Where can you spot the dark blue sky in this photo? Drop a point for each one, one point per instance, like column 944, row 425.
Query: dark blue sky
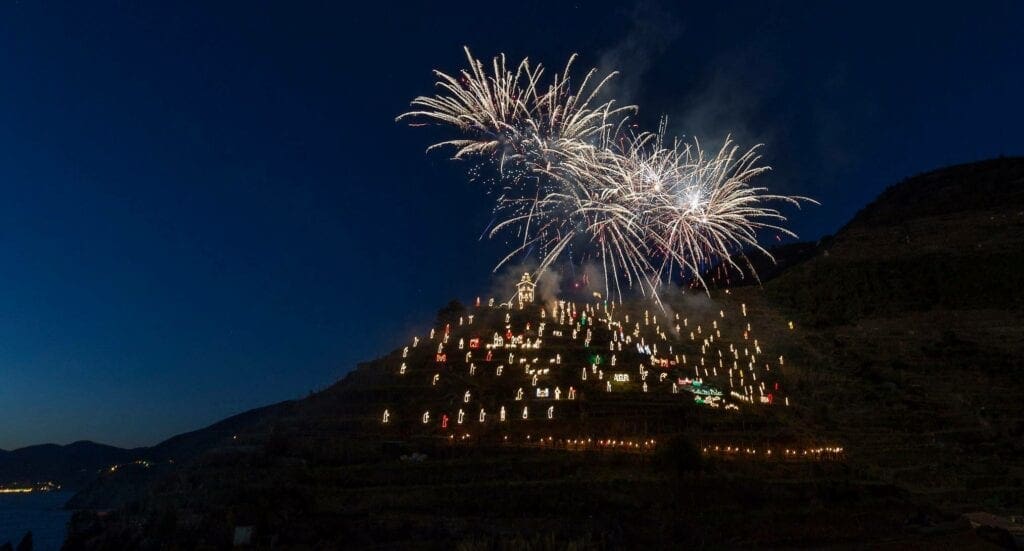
column 209, row 208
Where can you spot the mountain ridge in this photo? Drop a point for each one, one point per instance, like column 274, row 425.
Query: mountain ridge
column 76, row 464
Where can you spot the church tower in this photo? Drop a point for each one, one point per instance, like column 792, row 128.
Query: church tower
column 525, row 290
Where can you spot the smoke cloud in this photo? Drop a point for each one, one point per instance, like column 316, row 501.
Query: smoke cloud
column 651, row 32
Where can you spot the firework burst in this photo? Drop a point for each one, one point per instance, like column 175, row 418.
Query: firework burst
column 570, row 174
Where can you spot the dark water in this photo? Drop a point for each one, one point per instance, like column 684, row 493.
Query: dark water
column 39, row 512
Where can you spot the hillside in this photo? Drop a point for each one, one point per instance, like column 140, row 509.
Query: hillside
column 115, row 485
column 97, row 467
column 949, row 239
column 70, row 465
column 912, row 334
column 897, row 342
column 542, row 420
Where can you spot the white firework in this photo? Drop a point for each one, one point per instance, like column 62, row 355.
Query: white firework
column 571, row 174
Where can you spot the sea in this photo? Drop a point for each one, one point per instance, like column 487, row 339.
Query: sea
column 39, row 512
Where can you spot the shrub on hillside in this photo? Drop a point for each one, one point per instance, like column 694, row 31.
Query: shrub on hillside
column 680, row 454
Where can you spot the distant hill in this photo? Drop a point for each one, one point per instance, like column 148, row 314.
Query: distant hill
column 70, row 465
column 79, row 464
column 108, row 489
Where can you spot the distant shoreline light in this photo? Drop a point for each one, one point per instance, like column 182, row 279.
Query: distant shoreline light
column 42, row 487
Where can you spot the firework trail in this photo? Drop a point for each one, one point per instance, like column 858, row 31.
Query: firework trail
column 571, row 174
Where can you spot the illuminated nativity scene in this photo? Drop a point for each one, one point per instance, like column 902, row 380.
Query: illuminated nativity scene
column 587, row 375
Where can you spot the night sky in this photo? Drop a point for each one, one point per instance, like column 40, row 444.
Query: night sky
column 210, row 208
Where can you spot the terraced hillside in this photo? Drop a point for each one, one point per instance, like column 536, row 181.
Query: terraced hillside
column 576, row 372
column 613, row 465
column 894, row 346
